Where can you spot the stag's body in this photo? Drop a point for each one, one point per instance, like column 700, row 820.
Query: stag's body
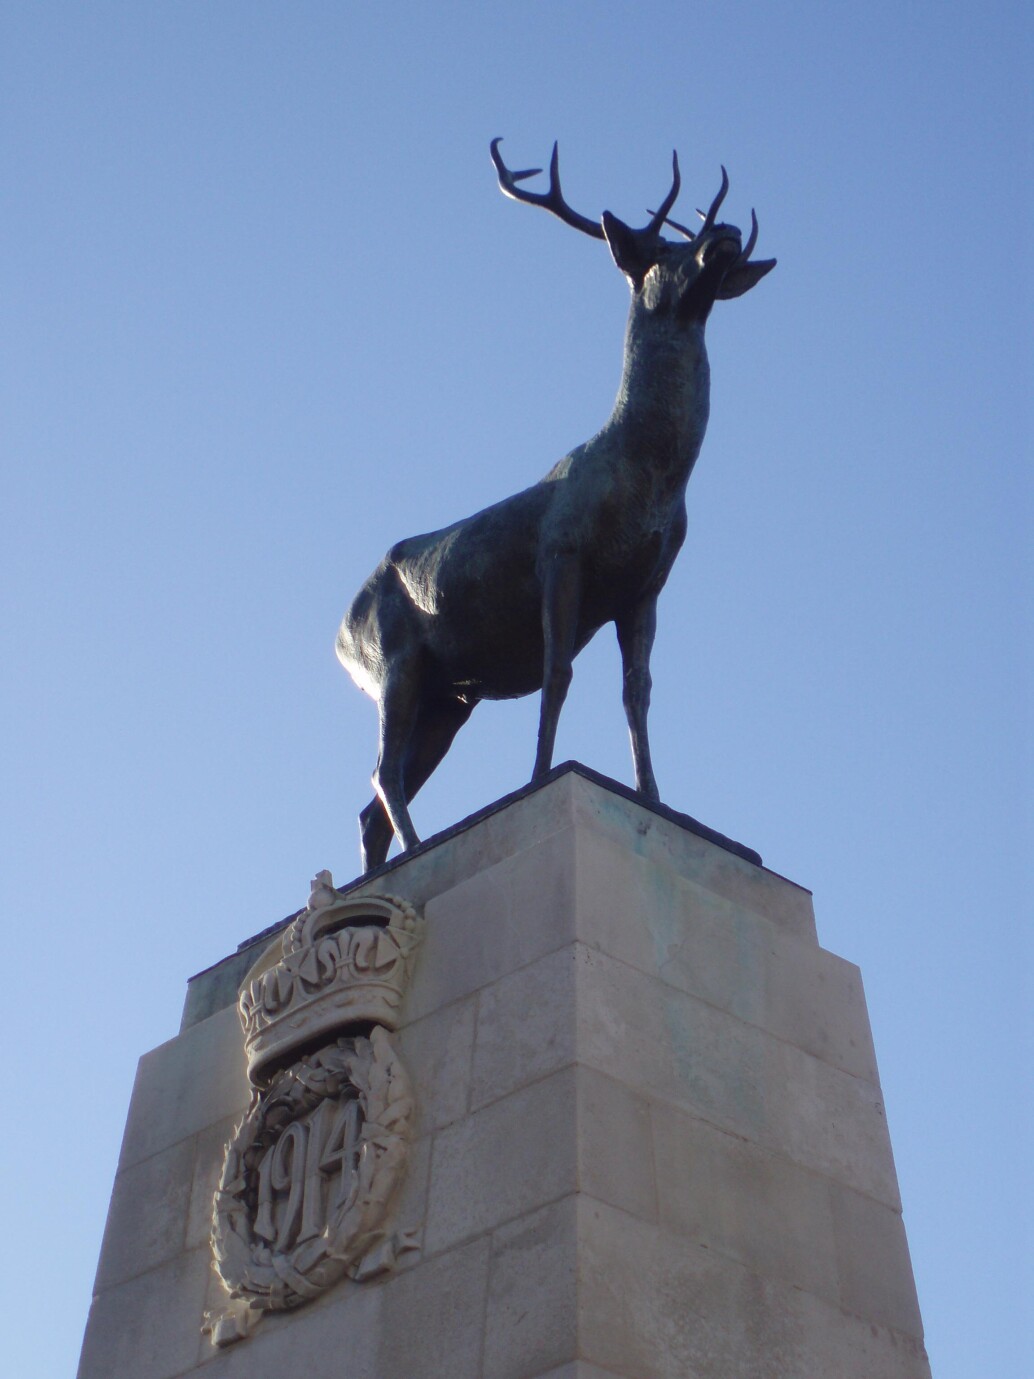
column 497, row 606
column 614, row 506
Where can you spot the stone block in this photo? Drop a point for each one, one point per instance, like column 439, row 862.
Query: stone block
column 531, row 1315
column 431, row 1319
column 437, row 1052
column 666, row 1045
column 625, row 823
column 186, row 1084
column 494, row 922
column 525, row 1026
column 147, row 1327
column 480, row 843
column 677, row 1049
column 838, row 1344
column 669, row 926
column 873, row 1263
column 644, row 913
column 615, row 1144
column 147, row 1216
column 814, row 999
column 503, row 1161
column 833, row 1122
column 739, row 1199
column 653, row 1306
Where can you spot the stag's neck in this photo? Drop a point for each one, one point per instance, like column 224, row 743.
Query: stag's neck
column 662, row 405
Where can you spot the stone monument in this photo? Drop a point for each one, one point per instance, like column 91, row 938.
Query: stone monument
column 568, row 1091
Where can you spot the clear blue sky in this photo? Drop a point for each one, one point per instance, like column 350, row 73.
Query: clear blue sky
column 265, row 312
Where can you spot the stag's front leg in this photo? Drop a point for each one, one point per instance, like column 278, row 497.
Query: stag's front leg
column 636, row 632
column 561, row 595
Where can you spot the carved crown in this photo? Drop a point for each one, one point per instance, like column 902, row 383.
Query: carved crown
column 343, row 961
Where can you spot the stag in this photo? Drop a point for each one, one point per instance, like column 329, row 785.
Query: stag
column 499, row 604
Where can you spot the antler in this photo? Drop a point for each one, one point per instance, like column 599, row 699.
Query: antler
column 708, row 218
column 653, row 230
column 553, row 200
column 749, row 246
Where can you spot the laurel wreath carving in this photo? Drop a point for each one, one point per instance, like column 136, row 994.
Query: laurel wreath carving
column 355, row 1240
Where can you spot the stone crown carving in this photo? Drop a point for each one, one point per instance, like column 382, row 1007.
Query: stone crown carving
column 344, row 962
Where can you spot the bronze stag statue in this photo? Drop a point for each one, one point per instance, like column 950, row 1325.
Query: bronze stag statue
column 499, row 604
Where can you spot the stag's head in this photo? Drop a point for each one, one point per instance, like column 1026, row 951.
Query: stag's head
column 679, row 280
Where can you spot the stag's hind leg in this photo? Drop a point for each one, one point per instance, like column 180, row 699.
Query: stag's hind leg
column 398, row 708
column 636, row 632
column 375, row 834
column 437, row 723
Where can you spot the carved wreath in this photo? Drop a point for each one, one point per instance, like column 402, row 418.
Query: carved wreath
column 354, row 1239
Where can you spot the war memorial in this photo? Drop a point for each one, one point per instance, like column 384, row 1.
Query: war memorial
column 570, row 1090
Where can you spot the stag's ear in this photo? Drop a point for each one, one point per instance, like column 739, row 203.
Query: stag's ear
column 742, row 279
column 627, row 248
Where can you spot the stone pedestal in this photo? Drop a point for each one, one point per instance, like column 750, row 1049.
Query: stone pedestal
column 650, row 1141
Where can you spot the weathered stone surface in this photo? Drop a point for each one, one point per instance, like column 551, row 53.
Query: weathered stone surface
column 677, row 1049
column 738, row 1199
column 147, row 1327
column 653, row 1306
column 873, row 1264
column 531, row 1320
column 528, row 820
column 186, row 1084
column 148, row 1215
column 736, row 958
column 609, row 816
column 615, row 1144
column 838, row 1343
column 503, row 1161
column 495, row 922
column 526, row 1026
column 437, row 1050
